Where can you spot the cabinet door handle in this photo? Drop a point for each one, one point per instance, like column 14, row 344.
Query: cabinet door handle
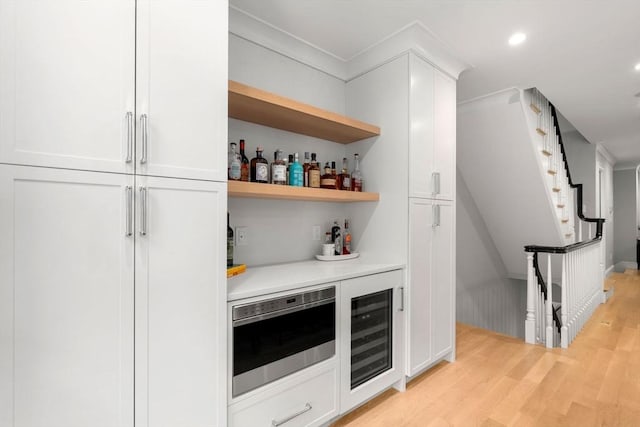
column 144, row 124
column 276, row 423
column 436, row 216
column 435, row 179
column 143, row 211
column 129, row 137
column 129, row 195
column 402, row 298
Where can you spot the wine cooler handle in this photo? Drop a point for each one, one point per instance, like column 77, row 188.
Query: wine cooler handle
column 436, row 216
column 435, row 179
column 402, row 298
column 129, row 197
column 276, row 423
column 129, row 158
column 144, row 123
column 143, row 211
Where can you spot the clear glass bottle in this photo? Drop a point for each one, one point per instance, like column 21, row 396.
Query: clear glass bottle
column 346, row 239
column 234, row 163
column 357, row 182
column 314, row 172
column 336, row 237
column 328, row 180
column 296, row 172
column 229, row 243
column 305, row 168
column 244, row 165
column 345, row 176
column 259, row 168
column 278, row 170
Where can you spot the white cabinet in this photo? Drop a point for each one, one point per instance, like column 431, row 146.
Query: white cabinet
column 69, row 77
column 432, row 134
column 431, row 272
column 180, row 299
column 66, row 299
column 367, row 368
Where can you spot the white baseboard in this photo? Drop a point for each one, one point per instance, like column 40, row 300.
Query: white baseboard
column 623, row 265
column 608, row 271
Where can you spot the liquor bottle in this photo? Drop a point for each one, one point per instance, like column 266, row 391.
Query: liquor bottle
column 259, row 168
column 314, row 172
column 356, row 177
column 305, row 168
column 296, row 173
column 327, row 180
column 345, row 176
column 289, row 168
column 234, row 163
column 336, row 237
column 278, row 170
column 346, row 245
column 336, row 178
column 244, row 166
column 229, row 243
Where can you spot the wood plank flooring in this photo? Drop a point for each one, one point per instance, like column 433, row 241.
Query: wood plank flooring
column 500, row 381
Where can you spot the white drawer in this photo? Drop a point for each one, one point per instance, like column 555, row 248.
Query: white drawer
column 311, row 395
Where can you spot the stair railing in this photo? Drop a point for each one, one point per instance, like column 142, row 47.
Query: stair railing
column 581, row 265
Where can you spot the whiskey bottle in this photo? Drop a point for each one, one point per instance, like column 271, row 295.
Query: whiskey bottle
column 305, row 169
column 328, row 180
column 244, row 165
column 234, row 163
column 296, row 172
column 279, row 170
column 345, row 176
column 259, row 168
column 357, row 182
column 314, row 172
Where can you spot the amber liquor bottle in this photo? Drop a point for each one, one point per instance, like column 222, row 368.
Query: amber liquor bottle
column 336, row 177
column 328, row 180
column 305, row 169
column 244, row 166
column 314, row 172
column 356, row 177
column 259, row 168
column 345, row 176
column 278, row 170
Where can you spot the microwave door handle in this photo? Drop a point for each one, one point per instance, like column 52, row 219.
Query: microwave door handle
column 282, row 312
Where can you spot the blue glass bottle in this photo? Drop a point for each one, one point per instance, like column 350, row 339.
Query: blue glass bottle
column 296, row 173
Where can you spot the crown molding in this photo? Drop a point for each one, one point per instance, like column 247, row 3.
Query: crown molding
column 605, row 153
column 414, row 37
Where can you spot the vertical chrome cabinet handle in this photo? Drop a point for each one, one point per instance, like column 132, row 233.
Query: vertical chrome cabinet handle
column 435, row 179
column 276, row 423
column 129, row 195
column 436, row 216
column 129, row 137
column 144, row 124
column 143, row 211
column 402, row 298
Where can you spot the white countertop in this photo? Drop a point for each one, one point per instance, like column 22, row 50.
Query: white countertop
column 269, row 279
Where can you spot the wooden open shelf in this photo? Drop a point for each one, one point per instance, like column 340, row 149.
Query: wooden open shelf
column 286, row 192
column 257, row 106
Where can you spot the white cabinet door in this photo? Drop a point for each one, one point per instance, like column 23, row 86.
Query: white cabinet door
column 181, row 88
column 444, row 157
column 180, row 299
column 67, row 83
column 419, row 290
column 66, row 298
column 350, row 289
column 432, row 133
column 442, row 282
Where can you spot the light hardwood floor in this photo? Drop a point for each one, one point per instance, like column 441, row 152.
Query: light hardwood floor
column 500, row 381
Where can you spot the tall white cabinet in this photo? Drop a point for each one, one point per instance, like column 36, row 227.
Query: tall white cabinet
column 113, row 126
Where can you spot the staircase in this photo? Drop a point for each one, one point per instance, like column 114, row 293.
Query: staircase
column 511, row 155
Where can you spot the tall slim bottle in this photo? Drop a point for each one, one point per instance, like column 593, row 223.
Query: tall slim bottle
column 345, row 176
column 229, row 243
column 357, row 182
column 305, row 168
column 244, row 166
column 234, row 163
column 296, row 173
column 314, row 172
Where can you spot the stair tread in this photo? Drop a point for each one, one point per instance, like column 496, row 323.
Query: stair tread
column 551, row 172
column 546, row 153
column 561, row 206
column 535, row 108
column 565, row 220
column 541, row 132
column 556, row 189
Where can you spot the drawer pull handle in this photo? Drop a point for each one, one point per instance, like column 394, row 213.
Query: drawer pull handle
column 276, row 423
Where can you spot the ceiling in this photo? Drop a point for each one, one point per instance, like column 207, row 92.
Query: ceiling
column 579, row 53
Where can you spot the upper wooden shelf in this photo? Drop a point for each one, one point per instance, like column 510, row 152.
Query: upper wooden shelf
column 286, row 192
column 257, row 106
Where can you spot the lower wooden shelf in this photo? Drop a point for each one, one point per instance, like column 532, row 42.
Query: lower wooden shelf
column 285, row 192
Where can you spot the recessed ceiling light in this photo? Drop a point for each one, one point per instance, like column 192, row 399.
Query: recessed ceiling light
column 637, row 67
column 517, row 38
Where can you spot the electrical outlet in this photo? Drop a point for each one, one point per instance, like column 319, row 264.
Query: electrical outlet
column 242, row 236
column 315, row 233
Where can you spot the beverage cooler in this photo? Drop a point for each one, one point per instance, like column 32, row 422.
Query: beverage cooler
column 372, row 312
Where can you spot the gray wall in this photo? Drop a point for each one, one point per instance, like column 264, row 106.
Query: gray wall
column 624, row 214
column 582, row 163
column 485, row 296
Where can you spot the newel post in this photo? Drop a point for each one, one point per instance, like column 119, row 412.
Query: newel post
column 530, row 320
